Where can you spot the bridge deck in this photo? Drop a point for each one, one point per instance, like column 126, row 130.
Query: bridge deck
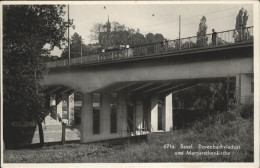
column 190, row 44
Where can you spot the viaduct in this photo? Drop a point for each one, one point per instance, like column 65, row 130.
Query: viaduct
column 130, row 91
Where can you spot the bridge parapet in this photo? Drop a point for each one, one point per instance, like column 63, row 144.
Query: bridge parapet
column 224, row 38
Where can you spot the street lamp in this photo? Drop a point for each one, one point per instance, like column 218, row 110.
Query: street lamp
column 68, row 35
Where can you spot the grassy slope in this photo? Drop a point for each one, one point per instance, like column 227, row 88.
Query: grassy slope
column 237, row 132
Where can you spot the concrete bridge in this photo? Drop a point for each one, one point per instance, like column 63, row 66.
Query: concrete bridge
column 129, row 92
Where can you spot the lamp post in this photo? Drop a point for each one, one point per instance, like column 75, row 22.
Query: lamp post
column 69, row 35
column 63, row 133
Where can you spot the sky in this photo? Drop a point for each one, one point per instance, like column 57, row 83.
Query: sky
column 156, row 18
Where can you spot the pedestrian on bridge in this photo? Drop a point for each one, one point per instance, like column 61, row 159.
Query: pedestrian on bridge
column 214, row 37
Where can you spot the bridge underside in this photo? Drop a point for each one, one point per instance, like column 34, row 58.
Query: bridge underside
column 131, row 108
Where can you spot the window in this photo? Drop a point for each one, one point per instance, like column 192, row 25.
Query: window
column 96, row 113
column 113, row 113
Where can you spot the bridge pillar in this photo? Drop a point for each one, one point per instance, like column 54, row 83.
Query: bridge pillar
column 122, row 115
column 154, row 114
column 59, row 106
column 139, row 116
column 70, row 109
column 86, row 117
column 105, row 114
column 147, row 113
column 244, row 88
column 168, row 120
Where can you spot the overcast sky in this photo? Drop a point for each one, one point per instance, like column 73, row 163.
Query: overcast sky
column 221, row 17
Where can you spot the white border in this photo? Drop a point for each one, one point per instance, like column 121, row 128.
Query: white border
column 256, row 162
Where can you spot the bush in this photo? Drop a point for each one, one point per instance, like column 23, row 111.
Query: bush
column 247, row 111
column 212, row 119
column 225, row 117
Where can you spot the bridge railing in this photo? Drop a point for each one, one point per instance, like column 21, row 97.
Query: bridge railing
column 209, row 40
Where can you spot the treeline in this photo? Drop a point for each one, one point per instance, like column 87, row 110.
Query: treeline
column 114, row 37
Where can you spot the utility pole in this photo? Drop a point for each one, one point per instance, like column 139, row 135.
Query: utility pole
column 180, row 31
column 69, row 34
column 63, row 131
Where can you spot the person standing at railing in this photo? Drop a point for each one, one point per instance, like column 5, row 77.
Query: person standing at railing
column 214, row 37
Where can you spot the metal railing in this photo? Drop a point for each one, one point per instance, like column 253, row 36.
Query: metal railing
column 209, row 40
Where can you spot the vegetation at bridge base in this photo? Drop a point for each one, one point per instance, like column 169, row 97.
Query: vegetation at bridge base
column 247, row 111
column 199, row 102
column 26, row 30
column 222, row 129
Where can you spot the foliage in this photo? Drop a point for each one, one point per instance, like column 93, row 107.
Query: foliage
column 234, row 132
column 121, row 35
column 117, row 38
column 110, row 35
column 75, row 47
column 99, row 27
column 201, row 34
column 241, row 21
column 206, row 97
column 137, row 39
column 151, row 38
column 247, row 111
column 94, row 31
column 26, row 29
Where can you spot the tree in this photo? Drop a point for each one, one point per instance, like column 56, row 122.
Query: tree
column 241, row 20
column 150, row 38
column 206, row 97
column 121, row 35
column 158, row 38
column 136, row 39
column 95, row 30
column 116, row 26
column 201, row 34
column 26, row 29
column 75, row 47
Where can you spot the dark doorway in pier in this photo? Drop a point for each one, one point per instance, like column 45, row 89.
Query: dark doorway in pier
column 147, row 113
column 113, row 113
column 96, row 113
column 160, row 114
column 77, row 108
column 130, row 117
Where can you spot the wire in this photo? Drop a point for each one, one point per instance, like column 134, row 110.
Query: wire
column 197, row 22
column 175, row 20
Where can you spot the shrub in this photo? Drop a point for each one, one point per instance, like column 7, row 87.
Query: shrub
column 247, row 111
column 225, row 117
